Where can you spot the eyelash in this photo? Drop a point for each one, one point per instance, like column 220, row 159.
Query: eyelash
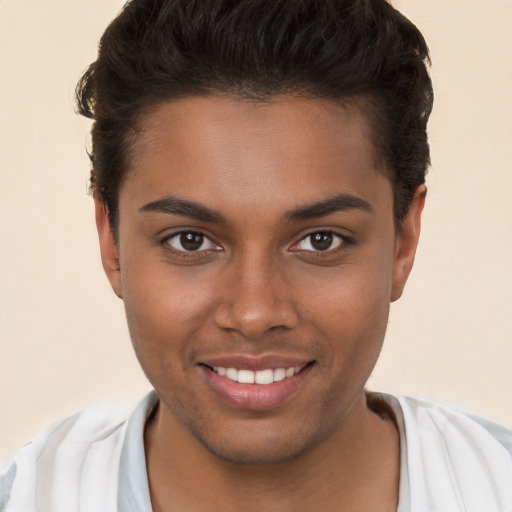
column 338, row 239
column 342, row 242
column 166, row 242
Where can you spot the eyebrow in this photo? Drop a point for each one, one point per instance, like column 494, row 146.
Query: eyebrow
column 339, row 203
column 174, row 206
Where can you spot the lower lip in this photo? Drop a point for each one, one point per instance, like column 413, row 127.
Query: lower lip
column 255, row 397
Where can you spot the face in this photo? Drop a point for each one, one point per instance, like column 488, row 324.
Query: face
column 258, row 257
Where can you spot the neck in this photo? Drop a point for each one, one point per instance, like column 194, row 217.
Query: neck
column 356, row 468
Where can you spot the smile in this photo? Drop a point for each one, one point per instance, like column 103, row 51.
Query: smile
column 263, row 377
column 269, row 384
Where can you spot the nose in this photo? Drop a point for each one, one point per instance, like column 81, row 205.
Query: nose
column 256, row 298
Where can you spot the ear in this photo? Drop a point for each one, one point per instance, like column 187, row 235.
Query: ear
column 108, row 248
column 406, row 243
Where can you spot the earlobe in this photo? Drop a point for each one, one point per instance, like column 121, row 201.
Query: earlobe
column 108, row 247
column 407, row 242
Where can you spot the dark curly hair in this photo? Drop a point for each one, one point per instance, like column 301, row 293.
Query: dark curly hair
column 343, row 50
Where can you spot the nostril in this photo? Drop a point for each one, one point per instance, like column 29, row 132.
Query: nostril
column 253, row 317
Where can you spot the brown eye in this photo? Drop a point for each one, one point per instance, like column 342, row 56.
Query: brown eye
column 320, row 241
column 190, row 241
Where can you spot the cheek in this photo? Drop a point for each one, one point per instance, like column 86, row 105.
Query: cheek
column 351, row 310
column 359, row 292
column 165, row 310
column 355, row 323
column 160, row 292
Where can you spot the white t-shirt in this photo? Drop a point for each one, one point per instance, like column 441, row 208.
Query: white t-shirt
column 94, row 461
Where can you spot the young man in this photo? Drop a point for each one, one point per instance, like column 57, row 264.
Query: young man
column 258, row 172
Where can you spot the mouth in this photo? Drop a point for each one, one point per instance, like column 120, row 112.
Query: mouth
column 261, row 377
column 256, row 389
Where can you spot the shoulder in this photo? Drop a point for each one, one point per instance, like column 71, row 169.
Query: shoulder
column 454, row 460
column 450, row 422
column 76, row 452
column 458, row 432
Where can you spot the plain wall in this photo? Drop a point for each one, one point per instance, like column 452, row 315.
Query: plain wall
column 63, row 339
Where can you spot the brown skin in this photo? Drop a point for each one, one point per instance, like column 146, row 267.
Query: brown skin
column 256, row 287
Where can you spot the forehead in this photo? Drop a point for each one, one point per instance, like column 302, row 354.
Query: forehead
column 283, row 152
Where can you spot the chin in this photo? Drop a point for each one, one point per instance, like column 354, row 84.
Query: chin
column 249, row 456
column 258, row 448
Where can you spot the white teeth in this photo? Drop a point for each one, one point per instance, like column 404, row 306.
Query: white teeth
column 245, row 377
column 279, row 374
column 263, row 377
column 232, row 373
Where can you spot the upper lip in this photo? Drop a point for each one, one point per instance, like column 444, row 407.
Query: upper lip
column 255, row 363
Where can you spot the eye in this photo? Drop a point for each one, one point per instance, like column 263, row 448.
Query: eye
column 320, row 241
column 191, row 241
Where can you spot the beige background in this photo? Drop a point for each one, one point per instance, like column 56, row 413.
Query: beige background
column 63, row 340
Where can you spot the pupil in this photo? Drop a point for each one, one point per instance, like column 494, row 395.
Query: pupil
column 191, row 241
column 321, row 241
